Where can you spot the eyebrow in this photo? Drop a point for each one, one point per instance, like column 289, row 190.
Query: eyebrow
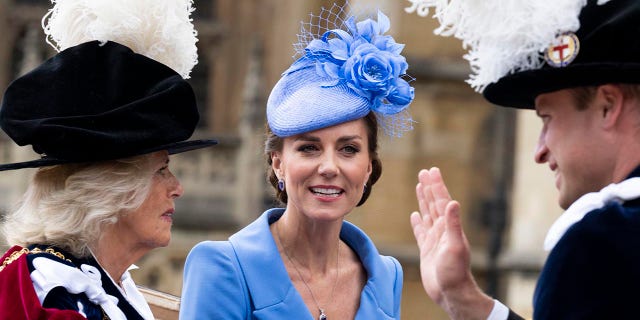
column 538, row 110
column 539, row 103
column 311, row 138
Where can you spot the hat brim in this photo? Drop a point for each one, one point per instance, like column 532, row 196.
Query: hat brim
column 519, row 90
column 172, row 148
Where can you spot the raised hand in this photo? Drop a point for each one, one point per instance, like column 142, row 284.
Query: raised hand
column 444, row 251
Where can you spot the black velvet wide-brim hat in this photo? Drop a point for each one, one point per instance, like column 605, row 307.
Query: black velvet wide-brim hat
column 609, row 52
column 96, row 102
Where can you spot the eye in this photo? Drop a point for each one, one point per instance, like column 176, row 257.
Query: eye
column 163, row 170
column 351, row 149
column 307, row 148
column 545, row 118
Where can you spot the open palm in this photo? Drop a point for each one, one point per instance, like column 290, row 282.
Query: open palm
column 444, row 251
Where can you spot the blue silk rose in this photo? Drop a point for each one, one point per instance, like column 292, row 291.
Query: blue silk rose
column 368, row 61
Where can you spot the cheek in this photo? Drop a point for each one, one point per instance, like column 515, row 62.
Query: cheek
column 569, row 143
column 151, row 205
column 298, row 171
column 359, row 172
column 155, row 204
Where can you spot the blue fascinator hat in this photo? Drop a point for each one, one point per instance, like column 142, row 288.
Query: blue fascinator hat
column 346, row 69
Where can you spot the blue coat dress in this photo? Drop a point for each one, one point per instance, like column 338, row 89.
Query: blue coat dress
column 593, row 272
column 245, row 278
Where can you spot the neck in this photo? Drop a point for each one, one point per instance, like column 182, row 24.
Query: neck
column 115, row 254
column 623, row 170
column 312, row 244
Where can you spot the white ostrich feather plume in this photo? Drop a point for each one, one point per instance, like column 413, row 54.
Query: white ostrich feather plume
column 159, row 29
column 502, row 36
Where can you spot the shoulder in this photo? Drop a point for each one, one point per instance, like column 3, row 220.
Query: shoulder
column 604, row 238
column 392, row 265
column 211, row 255
column 213, row 283
column 13, row 254
column 595, row 261
column 18, row 297
column 47, row 256
column 205, row 249
column 611, row 230
column 46, row 277
column 211, row 263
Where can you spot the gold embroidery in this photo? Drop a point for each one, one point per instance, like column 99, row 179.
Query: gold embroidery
column 14, row 256
column 50, row 251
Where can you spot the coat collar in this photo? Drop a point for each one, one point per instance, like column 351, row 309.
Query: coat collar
column 255, row 248
column 626, row 190
column 106, row 283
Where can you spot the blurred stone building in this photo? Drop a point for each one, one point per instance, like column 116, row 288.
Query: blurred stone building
column 485, row 153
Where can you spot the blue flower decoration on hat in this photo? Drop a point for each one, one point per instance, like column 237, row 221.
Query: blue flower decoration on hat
column 343, row 75
column 368, row 61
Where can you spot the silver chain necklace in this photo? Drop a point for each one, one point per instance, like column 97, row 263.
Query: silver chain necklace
column 322, row 315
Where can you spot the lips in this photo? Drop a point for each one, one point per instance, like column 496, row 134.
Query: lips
column 168, row 214
column 326, row 192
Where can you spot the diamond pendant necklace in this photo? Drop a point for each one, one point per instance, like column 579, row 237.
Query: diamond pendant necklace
column 322, row 315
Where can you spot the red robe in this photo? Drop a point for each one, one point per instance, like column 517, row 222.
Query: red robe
column 18, row 299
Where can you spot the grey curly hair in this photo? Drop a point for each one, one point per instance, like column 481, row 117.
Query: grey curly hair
column 67, row 205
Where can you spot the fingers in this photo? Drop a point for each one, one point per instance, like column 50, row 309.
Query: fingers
column 419, row 230
column 428, row 235
column 422, row 225
column 423, row 207
column 420, row 192
column 432, row 193
column 439, row 191
column 452, row 222
column 426, row 202
column 439, row 216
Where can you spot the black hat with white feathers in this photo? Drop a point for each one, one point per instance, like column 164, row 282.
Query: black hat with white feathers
column 116, row 89
column 520, row 49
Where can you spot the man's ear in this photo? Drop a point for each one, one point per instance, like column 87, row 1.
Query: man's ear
column 610, row 100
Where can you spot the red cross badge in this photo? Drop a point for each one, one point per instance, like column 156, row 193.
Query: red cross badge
column 563, row 50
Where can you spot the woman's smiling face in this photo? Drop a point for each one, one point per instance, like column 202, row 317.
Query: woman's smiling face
column 325, row 170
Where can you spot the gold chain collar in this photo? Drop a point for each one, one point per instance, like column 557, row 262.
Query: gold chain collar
column 17, row 254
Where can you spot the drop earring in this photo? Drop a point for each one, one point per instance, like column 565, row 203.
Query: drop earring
column 281, row 184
